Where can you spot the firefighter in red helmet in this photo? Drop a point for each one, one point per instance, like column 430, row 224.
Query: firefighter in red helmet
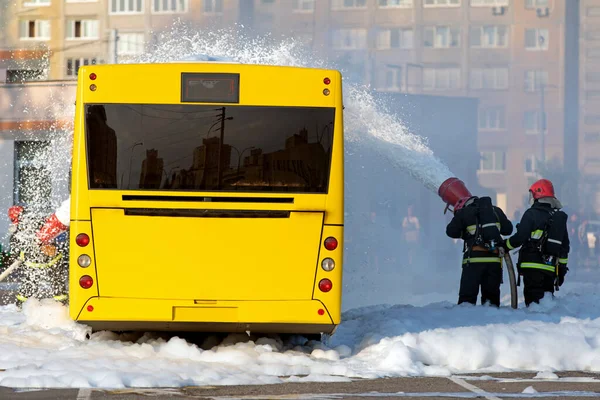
column 481, row 226
column 544, row 240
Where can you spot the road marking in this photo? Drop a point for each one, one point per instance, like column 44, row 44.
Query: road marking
column 84, row 394
column 473, row 388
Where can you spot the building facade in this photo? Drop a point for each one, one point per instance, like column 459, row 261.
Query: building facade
column 515, row 56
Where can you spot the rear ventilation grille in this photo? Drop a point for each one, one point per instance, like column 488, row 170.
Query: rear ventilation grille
column 211, row 199
column 161, row 212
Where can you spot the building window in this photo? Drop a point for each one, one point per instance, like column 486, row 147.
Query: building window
column 536, row 39
column 534, row 122
column 395, row 3
column 488, row 37
column 390, row 78
column 349, row 39
column 441, row 37
column 82, row 29
column 32, row 183
column 592, row 77
column 530, row 164
column 213, row 6
column 169, row 6
column 348, row 4
column 126, row 6
column 441, row 3
column 73, row 64
column 36, row 3
column 536, row 3
column 593, row 12
column 130, row 44
column 444, row 78
column 34, row 29
column 395, row 39
column 591, row 137
column 489, row 78
column 593, row 53
column 535, row 79
column 26, row 75
column 592, row 119
column 489, row 3
column 492, row 161
column 592, row 95
column 492, row 119
column 303, row 5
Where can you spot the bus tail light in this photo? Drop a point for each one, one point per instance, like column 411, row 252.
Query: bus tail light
column 328, row 264
column 326, row 92
column 86, row 281
column 93, row 87
column 327, row 81
column 331, row 243
column 93, row 76
column 82, row 240
column 325, row 285
column 84, row 261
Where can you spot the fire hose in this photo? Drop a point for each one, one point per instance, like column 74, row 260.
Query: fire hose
column 10, row 269
column 452, row 190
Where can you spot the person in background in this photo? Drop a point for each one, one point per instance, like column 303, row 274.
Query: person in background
column 544, row 240
column 480, row 225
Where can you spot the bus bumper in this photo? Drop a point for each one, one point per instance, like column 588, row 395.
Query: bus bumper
column 123, row 314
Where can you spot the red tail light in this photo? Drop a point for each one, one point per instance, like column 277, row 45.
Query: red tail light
column 325, row 285
column 93, row 76
column 86, row 281
column 82, row 240
column 331, row 243
column 327, row 81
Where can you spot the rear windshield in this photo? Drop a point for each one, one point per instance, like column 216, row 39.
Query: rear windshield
column 209, row 148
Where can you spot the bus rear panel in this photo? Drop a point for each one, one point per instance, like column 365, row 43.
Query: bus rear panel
column 211, row 196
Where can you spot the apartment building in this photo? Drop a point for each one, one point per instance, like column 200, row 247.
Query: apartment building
column 509, row 54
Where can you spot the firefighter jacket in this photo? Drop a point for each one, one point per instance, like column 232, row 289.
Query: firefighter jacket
column 464, row 226
column 529, row 232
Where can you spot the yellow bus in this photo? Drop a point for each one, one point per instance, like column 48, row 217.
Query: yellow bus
column 207, row 197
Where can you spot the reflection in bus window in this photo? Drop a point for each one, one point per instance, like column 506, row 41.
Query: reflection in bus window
column 209, row 148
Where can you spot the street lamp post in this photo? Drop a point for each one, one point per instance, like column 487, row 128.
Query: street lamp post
column 240, row 154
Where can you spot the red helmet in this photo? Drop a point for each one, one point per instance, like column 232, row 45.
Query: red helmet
column 542, row 188
column 14, row 213
column 461, row 203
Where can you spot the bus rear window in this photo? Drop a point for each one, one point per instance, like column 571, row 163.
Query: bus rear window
column 209, row 148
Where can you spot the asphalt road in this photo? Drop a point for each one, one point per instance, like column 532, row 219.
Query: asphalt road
column 571, row 385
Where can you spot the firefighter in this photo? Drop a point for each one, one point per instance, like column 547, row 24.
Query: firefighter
column 544, row 240
column 45, row 265
column 481, row 226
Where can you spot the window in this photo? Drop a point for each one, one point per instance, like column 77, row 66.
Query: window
column 303, row 5
column 591, row 137
column 592, row 95
column 441, row 37
column 345, row 4
column 492, row 161
column 25, row 75
column 536, row 3
column 169, row 6
column 536, row 39
column 395, row 39
column 489, row 3
column 349, row 39
column 535, row 79
column 130, row 44
column 34, row 29
column 213, row 6
column 440, row 3
column 36, row 3
column 530, row 164
column 73, row 64
column 533, row 122
column 82, row 29
column 489, row 78
column 593, row 12
column 488, row 37
column 443, row 78
column 592, row 119
column 391, row 78
column 395, row 3
column 593, row 53
column 33, row 181
column 592, row 77
column 126, row 6
column 492, row 118
column 592, row 35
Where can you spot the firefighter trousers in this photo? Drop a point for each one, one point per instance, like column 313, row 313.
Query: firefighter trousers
column 536, row 282
column 485, row 272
